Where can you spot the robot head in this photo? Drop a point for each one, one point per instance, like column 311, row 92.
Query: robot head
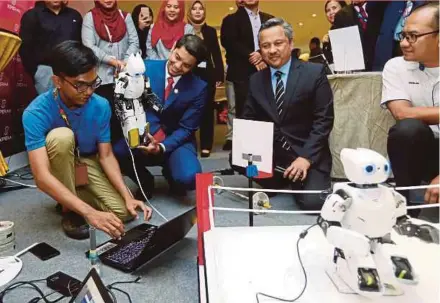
column 135, row 65
column 365, row 166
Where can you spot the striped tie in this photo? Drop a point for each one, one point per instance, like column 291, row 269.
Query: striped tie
column 279, row 101
column 279, row 92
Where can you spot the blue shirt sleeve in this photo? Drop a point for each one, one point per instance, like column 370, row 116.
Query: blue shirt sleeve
column 35, row 130
column 104, row 127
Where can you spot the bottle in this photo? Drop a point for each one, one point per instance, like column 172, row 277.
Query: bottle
column 93, row 256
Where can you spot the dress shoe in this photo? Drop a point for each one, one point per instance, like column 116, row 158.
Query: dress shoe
column 75, row 226
column 205, row 153
column 227, row 145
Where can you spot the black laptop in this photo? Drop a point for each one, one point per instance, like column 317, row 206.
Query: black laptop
column 92, row 291
column 145, row 242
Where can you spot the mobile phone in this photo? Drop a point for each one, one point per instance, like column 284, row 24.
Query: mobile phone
column 44, row 251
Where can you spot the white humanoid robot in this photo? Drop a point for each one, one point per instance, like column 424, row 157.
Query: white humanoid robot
column 357, row 218
column 133, row 96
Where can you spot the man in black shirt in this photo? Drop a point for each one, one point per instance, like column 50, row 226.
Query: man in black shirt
column 43, row 27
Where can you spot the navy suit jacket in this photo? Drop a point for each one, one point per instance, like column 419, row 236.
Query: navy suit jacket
column 385, row 40
column 307, row 117
column 183, row 109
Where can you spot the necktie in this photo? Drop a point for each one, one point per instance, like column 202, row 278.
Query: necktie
column 169, row 87
column 279, row 101
column 363, row 18
column 279, row 92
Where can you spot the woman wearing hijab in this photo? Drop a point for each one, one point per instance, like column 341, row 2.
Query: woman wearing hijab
column 112, row 36
column 330, row 8
column 142, row 16
column 211, row 71
column 168, row 28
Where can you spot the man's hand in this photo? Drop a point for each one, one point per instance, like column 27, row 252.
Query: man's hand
column 218, row 83
column 325, row 39
column 260, row 66
column 297, row 170
column 152, row 148
column 432, row 194
column 133, row 204
column 107, row 222
column 255, row 58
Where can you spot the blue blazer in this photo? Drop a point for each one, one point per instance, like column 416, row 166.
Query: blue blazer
column 385, row 40
column 183, row 109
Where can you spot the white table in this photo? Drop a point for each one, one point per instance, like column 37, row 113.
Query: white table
column 241, row 261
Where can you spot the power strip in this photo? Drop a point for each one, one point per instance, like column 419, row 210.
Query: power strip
column 7, row 236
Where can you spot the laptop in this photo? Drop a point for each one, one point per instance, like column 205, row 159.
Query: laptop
column 145, row 242
column 92, row 291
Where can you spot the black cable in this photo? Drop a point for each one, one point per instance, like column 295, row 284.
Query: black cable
column 301, row 236
column 111, row 286
column 30, row 283
column 112, row 294
column 124, row 292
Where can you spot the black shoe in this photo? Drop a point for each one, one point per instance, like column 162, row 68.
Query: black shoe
column 75, row 226
column 148, row 187
column 227, row 145
column 205, row 153
column 59, row 209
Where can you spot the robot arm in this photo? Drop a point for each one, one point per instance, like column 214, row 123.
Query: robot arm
column 119, row 100
column 149, row 98
column 335, row 206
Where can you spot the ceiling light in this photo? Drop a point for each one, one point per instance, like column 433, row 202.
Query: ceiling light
column 313, row 15
column 231, row 8
column 300, row 24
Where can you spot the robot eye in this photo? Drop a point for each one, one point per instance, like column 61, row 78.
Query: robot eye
column 370, row 169
column 386, row 168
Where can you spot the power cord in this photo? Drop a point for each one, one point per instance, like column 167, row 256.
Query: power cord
column 34, row 286
column 111, row 287
column 301, row 236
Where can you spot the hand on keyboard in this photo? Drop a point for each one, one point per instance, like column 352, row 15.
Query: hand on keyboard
column 107, row 222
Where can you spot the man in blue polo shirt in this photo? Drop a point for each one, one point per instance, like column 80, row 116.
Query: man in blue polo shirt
column 67, row 136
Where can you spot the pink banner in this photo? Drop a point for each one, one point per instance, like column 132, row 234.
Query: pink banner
column 11, row 12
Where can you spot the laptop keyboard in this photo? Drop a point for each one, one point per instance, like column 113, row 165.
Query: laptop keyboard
column 132, row 250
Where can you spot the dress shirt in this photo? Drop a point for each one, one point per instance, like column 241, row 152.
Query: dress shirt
column 256, row 25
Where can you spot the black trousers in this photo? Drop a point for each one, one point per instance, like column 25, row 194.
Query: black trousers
column 316, row 180
column 241, row 89
column 207, row 123
column 414, row 153
column 107, row 91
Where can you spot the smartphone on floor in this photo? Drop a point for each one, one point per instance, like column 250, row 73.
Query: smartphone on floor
column 44, row 251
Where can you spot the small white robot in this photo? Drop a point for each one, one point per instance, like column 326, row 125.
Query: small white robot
column 357, row 219
column 133, row 96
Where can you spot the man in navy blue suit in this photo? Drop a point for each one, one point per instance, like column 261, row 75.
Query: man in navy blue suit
column 172, row 143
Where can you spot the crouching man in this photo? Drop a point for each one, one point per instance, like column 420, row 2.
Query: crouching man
column 67, row 136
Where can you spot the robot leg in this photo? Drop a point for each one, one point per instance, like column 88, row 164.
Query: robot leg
column 353, row 270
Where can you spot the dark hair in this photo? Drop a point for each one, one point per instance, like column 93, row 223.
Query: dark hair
column 430, row 5
column 296, row 52
column 137, row 12
column 72, row 59
column 194, row 45
column 316, row 41
column 341, row 3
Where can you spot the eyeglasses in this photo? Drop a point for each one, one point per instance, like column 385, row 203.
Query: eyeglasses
column 411, row 37
column 83, row 87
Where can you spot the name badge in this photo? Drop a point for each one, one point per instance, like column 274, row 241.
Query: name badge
column 202, row 64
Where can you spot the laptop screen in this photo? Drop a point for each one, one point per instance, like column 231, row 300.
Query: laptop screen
column 93, row 290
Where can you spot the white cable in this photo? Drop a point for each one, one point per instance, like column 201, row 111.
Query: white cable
column 417, row 187
column 423, row 206
column 25, row 250
column 285, row 191
column 19, row 183
column 140, row 186
column 210, row 207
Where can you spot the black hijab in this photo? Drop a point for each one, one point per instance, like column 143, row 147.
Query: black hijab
column 142, row 34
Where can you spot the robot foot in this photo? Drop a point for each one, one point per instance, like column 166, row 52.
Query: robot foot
column 403, row 270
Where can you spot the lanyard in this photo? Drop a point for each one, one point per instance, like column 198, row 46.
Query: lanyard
column 66, row 120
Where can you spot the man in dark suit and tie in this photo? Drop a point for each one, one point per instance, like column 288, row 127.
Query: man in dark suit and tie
column 239, row 37
column 172, row 144
column 297, row 98
column 367, row 15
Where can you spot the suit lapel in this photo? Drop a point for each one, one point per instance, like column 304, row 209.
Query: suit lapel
column 156, row 74
column 269, row 102
column 292, row 84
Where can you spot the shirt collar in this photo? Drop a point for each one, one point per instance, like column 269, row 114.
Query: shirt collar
column 364, row 6
column 251, row 13
column 284, row 69
column 45, row 8
column 167, row 75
